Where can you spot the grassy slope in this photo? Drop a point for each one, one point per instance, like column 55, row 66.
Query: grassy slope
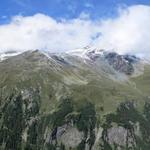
column 79, row 83
column 143, row 81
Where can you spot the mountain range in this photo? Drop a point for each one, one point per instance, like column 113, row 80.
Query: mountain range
column 83, row 99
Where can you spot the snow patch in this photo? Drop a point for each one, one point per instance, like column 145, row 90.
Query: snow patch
column 6, row 55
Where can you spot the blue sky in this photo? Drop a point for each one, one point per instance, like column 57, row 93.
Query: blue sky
column 63, row 8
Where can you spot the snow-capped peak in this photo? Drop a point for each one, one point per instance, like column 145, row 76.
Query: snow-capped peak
column 87, row 52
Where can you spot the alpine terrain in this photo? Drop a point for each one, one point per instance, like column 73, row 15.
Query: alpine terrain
column 83, row 99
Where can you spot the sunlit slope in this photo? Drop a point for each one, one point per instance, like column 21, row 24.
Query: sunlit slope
column 102, row 85
column 142, row 82
column 53, row 101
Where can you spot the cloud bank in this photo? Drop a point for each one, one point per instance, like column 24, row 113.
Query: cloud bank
column 129, row 32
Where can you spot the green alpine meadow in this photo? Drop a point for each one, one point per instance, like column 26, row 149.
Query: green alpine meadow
column 51, row 101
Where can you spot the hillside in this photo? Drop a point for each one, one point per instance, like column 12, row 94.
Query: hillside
column 68, row 101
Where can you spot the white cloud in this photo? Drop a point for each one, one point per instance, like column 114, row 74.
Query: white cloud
column 43, row 32
column 129, row 32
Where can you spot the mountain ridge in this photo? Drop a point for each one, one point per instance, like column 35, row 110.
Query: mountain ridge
column 121, row 63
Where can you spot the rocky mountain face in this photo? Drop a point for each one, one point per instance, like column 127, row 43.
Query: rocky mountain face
column 86, row 99
column 121, row 63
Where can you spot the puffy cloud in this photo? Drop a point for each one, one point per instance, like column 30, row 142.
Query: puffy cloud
column 43, row 32
column 129, row 32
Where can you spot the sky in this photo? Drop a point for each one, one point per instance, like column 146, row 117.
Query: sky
column 62, row 25
column 64, row 8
